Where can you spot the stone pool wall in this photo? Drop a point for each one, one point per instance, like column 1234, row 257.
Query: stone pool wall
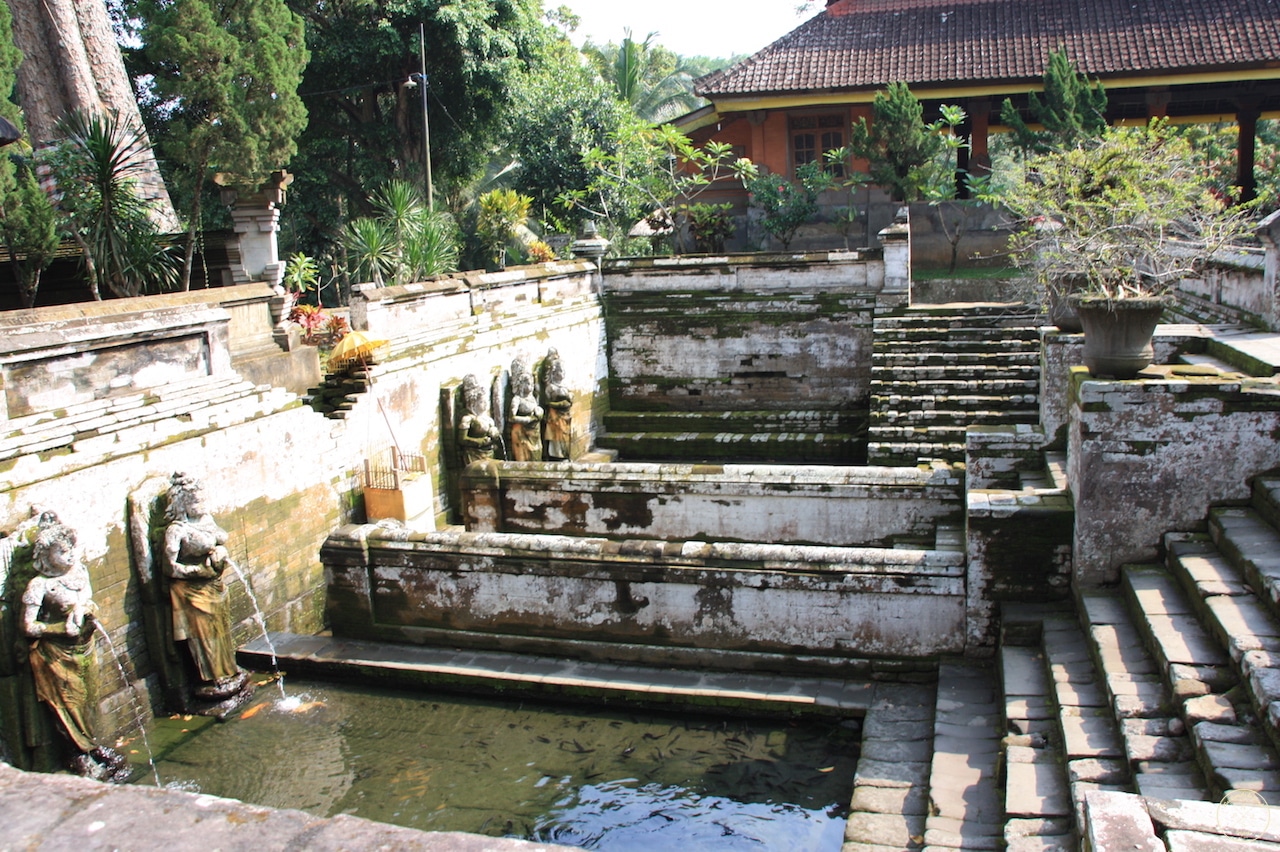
column 844, row 506
column 105, row 399
column 690, row 602
column 778, row 333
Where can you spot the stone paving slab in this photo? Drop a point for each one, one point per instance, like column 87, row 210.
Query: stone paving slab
column 46, row 811
column 1207, row 568
column 1091, row 734
column 896, row 830
column 1036, row 790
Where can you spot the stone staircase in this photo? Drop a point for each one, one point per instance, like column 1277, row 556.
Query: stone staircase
column 937, row 370
column 1167, row 685
column 136, row 421
column 783, row 437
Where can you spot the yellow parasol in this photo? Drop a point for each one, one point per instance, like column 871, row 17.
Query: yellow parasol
column 355, row 346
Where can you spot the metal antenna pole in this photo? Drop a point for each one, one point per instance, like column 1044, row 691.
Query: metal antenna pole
column 426, row 127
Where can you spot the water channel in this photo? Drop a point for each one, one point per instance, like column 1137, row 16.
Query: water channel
column 582, row 776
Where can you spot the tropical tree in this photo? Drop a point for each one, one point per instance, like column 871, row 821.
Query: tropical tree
column 227, row 74
column 561, row 110
column 904, row 154
column 404, row 242
column 1071, row 111
column 656, row 83
column 786, row 204
column 651, row 173
column 501, row 212
column 28, row 228
column 367, row 125
column 95, row 168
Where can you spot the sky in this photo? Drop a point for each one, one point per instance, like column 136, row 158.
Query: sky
column 716, row 28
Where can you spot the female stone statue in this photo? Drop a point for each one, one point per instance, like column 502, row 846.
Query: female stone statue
column 478, row 435
column 194, row 558
column 526, row 414
column 58, row 619
column 557, row 430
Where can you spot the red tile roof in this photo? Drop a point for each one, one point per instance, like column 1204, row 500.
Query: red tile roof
column 866, row 44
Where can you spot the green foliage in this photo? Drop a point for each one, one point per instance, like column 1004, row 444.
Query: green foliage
column 226, row 74
column 366, row 127
column 405, row 242
column 501, row 211
column 301, row 273
column 10, row 59
column 95, row 168
column 561, row 109
column 1215, row 146
column 647, row 173
column 1127, row 216
column 788, row 204
column 656, row 83
column 28, row 228
column 710, row 225
column 904, row 154
column 1072, row 111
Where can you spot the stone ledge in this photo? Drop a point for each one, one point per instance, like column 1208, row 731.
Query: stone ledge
column 75, row 813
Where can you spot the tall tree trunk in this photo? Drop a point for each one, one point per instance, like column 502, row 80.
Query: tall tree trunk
column 72, row 62
column 193, row 228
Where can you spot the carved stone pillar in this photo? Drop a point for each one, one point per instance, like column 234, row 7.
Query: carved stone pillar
column 256, row 218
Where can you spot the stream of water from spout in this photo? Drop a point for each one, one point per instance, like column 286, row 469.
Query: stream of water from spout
column 262, row 625
column 132, row 686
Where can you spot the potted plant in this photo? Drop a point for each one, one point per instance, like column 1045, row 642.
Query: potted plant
column 1112, row 225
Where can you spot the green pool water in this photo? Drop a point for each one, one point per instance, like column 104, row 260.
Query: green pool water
column 581, row 776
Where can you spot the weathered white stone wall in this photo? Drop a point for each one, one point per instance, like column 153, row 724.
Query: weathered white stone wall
column 844, row 506
column 788, row 333
column 1147, row 457
column 279, row 476
column 494, row 590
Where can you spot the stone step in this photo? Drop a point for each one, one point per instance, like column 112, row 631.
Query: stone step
column 930, row 373
column 971, row 317
column 891, row 786
column 895, row 416
column 1037, row 794
column 944, row 342
column 1154, row 742
column 967, row 807
column 1253, row 545
column 781, row 447
column 900, row 453
column 932, row 433
column 1241, row 624
column 931, row 356
column 78, row 413
column 960, row 330
column 1266, row 497
column 1232, row 751
column 888, row 385
column 956, row 402
column 190, row 407
column 730, row 421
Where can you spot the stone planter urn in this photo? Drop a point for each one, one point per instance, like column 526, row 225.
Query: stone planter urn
column 1118, row 333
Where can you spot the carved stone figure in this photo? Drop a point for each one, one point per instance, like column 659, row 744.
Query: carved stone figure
column 557, row 430
column 58, row 620
column 194, row 557
column 478, row 434
column 526, row 414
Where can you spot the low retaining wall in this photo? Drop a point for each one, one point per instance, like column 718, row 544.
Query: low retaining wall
column 1147, row 457
column 642, row 600
column 843, row 506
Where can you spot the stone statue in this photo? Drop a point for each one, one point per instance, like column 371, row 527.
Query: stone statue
column 557, row 430
column 58, row 620
column 478, row 434
column 194, row 557
column 526, row 414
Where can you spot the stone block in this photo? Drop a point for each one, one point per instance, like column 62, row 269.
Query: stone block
column 912, row 801
column 1036, row 790
column 1228, row 755
column 1208, row 708
column 1091, row 734
column 877, row 773
column 1098, row 770
column 895, row 830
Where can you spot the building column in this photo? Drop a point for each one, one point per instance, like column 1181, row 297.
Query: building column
column 1158, row 103
column 1247, row 112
